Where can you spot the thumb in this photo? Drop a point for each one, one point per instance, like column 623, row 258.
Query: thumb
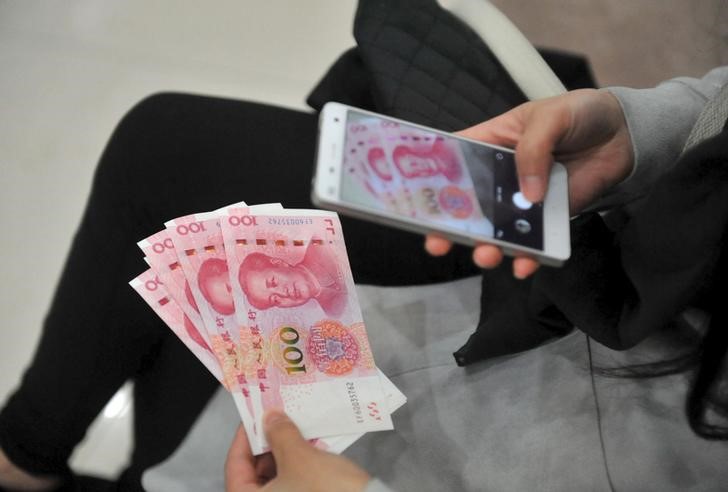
column 545, row 124
column 283, row 436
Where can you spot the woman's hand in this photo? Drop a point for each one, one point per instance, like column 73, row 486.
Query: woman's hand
column 584, row 129
column 294, row 465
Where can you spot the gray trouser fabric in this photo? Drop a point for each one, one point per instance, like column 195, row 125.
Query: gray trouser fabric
column 524, row 422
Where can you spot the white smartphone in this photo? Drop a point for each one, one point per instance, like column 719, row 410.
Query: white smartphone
column 397, row 173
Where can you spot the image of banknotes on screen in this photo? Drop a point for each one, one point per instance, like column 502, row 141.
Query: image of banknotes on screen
column 430, row 176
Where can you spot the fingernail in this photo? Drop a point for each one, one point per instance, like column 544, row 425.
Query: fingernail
column 532, row 187
column 274, row 416
column 477, row 260
column 479, row 263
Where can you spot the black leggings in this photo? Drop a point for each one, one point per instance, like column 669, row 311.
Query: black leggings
column 171, row 155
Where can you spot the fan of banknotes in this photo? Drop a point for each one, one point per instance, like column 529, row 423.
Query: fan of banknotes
column 264, row 297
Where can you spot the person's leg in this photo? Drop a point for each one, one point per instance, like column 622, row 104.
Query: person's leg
column 170, row 156
column 97, row 334
column 203, row 153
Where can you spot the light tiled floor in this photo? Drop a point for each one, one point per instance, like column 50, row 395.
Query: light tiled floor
column 71, row 69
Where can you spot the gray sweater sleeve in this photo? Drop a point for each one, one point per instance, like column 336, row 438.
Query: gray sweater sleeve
column 659, row 121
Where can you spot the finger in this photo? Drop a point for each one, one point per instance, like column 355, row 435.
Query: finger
column 265, row 468
column 544, row 126
column 436, row 245
column 284, row 437
column 240, row 473
column 524, row 267
column 487, row 256
column 502, row 130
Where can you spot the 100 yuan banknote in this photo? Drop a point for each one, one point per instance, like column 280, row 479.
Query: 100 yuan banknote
column 154, row 292
column 198, row 241
column 291, row 270
column 161, row 256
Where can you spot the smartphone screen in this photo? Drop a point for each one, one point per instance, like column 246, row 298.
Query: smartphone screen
column 431, row 177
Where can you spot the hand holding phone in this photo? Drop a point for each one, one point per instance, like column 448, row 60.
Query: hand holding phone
column 584, row 129
column 424, row 180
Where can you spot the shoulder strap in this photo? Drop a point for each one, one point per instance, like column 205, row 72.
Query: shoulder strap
column 517, row 55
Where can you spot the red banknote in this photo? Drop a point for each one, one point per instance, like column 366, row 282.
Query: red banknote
column 265, row 299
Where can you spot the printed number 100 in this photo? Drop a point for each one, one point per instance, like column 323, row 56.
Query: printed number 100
column 291, row 354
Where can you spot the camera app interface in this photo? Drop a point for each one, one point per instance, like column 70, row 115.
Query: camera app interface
column 427, row 176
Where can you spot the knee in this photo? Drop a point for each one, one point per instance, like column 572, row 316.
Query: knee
column 149, row 117
column 152, row 107
column 134, row 147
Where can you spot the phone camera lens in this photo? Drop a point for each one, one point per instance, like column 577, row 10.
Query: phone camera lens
column 523, row 226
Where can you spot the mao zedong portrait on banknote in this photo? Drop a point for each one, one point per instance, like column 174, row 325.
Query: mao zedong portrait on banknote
column 268, row 281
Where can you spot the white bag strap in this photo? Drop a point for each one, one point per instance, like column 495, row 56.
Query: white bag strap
column 517, row 55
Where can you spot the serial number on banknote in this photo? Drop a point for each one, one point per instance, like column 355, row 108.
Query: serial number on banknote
column 354, row 400
column 289, row 221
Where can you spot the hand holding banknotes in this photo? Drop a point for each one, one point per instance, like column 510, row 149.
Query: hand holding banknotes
column 265, row 299
column 295, row 464
column 585, row 130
